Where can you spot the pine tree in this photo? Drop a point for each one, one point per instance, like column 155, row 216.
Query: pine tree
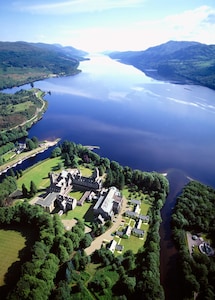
column 24, row 191
column 33, row 188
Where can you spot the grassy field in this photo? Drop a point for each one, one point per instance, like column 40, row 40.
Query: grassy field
column 76, row 194
column 21, row 106
column 11, row 243
column 132, row 243
column 80, row 212
column 39, row 173
column 7, row 156
column 85, row 171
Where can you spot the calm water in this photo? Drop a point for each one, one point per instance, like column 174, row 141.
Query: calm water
column 139, row 122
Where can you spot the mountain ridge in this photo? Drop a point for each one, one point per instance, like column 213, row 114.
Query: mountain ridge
column 187, row 62
column 22, row 62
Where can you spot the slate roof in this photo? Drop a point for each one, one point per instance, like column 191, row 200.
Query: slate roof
column 48, row 200
column 136, row 202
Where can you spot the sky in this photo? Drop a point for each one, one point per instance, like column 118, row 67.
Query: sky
column 101, row 25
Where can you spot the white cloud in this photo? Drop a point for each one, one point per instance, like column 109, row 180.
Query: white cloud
column 193, row 25
column 190, row 25
column 79, row 6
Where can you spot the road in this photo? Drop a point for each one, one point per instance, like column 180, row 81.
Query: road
column 96, row 244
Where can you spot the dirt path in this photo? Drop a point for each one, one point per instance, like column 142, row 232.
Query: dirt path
column 96, row 244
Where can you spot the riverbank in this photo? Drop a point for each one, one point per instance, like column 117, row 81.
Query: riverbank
column 19, row 158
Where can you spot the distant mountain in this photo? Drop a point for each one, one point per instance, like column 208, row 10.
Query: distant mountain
column 22, row 62
column 177, row 61
column 67, row 50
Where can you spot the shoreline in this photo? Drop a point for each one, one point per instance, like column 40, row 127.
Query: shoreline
column 42, row 148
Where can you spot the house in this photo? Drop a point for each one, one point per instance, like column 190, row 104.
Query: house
column 138, row 232
column 108, row 204
column 137, row 209
column 138, row 224
column 119, row 233
column 119, row 248
column 21, row 147
column 128, row 230
column 130, row 214
column 112, row 246
column 48, row 203
column 135, row 202
column 145, row 219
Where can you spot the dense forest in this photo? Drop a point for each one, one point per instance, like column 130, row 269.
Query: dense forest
column 187, row 62
column 22, row 62
column 195, row 213
column 57, row 267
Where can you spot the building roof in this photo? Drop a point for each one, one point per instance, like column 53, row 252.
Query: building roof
column 134, row 201
column 48, row 200
column 112, row 245
column 144, row 218
column 138, row 231
column 119, row 247
column 128, row 230
column 106, row 202
column 131, row 213
column 119, row 233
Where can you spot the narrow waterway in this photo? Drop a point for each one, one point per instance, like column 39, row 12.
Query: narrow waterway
column 168, row 253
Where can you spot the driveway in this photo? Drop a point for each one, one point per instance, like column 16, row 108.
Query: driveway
column 96, row 244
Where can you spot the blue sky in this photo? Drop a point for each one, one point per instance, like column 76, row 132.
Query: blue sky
column 97, row 25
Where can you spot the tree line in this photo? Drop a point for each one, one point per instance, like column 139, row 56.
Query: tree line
column 195, row 213
column 53, row 247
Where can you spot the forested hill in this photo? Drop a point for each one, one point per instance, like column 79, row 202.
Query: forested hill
column 22, row 62
column 178, row 61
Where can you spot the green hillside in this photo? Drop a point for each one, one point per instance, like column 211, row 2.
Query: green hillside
column 22, row 62
column 187, row 62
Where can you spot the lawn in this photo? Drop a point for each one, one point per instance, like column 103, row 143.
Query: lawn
column 80, row 212
column 20, row 107
column 7, row 156
column 86, row 172
column 144, row 208
column 133, row 195
column 39, row 173
column 132, row 243
column 76, row 194
column 11, row 243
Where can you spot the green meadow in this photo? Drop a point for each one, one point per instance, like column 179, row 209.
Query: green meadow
column 11, row 243
column 39, row 173
column 84, row 213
